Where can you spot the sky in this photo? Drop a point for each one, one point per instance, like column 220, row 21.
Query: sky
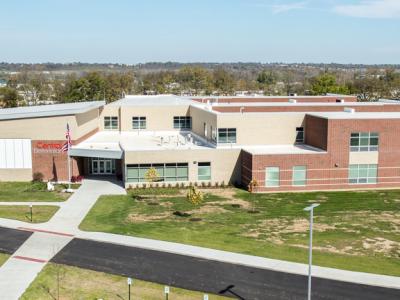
column 133, row 31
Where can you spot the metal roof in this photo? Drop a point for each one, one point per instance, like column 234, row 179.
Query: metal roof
column 156, row 100
column 53, row 110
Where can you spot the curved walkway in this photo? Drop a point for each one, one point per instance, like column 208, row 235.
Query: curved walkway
column 50, row 237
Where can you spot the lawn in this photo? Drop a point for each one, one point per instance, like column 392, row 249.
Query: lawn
column 77, row 283
column 40, row 214
column 30, row 192
column 3, row 258
column 357, row 230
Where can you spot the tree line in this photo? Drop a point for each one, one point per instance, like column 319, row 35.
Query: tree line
column 35, row 87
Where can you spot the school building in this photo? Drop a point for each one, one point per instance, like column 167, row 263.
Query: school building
column 283, row 143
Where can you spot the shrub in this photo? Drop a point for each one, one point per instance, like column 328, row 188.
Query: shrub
column 37, row 177
column 194, row 196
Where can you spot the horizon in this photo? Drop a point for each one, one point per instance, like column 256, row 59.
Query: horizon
column 133, row 32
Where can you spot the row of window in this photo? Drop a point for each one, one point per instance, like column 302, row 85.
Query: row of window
column 140, row 122
column 358, row 174
column 364, row 141
column 166, row 172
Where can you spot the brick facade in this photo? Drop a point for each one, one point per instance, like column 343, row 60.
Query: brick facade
column 329, row 170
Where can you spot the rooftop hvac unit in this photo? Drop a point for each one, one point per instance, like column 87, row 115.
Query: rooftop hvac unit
column 340, row 100
column 349, row 110
column 292, row 100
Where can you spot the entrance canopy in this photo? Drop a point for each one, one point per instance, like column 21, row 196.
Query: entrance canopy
column 101, row 144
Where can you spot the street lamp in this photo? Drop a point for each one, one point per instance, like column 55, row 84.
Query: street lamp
column 129, row 287
column 311, row 210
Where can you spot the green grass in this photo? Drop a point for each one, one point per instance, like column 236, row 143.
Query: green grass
column 30, row 192
column 357, row 231
column 40, row 214
column 3, row 258
column 77, row 283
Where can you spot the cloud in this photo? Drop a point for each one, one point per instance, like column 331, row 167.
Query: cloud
column 285, row 7
column 379, row 9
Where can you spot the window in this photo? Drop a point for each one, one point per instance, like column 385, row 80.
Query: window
column 272, row 177
column 213, row 134
column 204, row 171
column 363, row 173
column 183, row 122
column 165, row 172
column 299, row 175
column 139, row 122
column 299, row 134
column 364, row 141
column 226, row 135
column 110, row 122
column 205, row 129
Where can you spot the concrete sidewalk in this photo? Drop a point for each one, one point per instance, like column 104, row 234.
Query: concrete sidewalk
column 49, row 238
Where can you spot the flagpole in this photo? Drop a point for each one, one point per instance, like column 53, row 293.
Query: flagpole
column 69, row 170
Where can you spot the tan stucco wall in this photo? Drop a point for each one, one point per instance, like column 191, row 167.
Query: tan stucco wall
column 49, row 128
column 225, row 163
column 266, row 129
column 199, row 117
column 356, row 158
column 15, row 174
column 158, row 118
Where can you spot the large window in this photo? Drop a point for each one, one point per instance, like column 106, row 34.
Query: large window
column 364, row 141
column 165, row 172
column 183, row 122
column 299, row 175
column 272, row 176
column 363, row 173
column 110, row 122
column 204, row 171
column 299, row 134
column 226, row 135
column 139, row 122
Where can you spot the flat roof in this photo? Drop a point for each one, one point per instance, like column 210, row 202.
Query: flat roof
column 150, row 100
column 255, row 104
column 144, row 140
column 282, row 149
column 356, row 115
column 52, row 110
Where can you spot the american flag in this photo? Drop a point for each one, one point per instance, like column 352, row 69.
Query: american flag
column 68, row 143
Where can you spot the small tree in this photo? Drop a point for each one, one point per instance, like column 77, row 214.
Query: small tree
column 194, row 196
column 151, row 175
column 252, row 188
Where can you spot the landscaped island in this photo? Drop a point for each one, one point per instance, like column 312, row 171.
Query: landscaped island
column 358, row 230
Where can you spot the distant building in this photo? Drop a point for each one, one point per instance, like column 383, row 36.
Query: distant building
column 284, row 143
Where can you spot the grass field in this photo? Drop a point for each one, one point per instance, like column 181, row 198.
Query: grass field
column 77, row 283
column 30, row 192
column 40, row 214
column 3, row 258
column 357, row 231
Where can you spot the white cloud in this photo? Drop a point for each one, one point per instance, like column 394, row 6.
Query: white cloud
column 285, row 7
column 380, row 9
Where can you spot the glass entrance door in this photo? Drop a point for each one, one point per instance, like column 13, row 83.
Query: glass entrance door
column 102, row 166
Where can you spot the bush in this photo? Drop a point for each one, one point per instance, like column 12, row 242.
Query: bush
column 37, row 177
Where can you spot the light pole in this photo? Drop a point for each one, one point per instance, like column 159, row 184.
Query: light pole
column 311, row 210
column 129, row 287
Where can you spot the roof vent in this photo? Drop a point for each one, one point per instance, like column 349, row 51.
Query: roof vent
column 292, row 100
column 339, row 100
column 349, row 110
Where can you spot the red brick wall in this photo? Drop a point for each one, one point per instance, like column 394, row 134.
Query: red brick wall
column 294, row 108
column 51, row 162
column 279, row 99
column 316, row 132
column 329, row 170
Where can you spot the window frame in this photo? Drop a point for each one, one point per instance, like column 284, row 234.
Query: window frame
column 182, row 122
column 370, row 169
column 230, row 135
column 364, row 141
column 300, row 131
column 295, row 181
column 111, row 120
column 203, row 165
column 139, row 120
column 267, row 179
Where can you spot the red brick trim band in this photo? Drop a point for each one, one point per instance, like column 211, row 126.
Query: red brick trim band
column 45, row 231
column 30, row 259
